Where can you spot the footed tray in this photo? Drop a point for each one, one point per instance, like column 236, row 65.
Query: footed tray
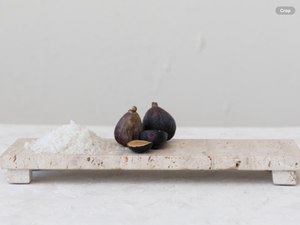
column 282, row 157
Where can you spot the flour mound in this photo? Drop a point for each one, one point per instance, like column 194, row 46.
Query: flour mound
column 69, row 139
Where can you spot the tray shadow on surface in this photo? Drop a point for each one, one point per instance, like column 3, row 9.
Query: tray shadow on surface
column 144, row 176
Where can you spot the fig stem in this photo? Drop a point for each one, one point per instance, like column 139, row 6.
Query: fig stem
column 133, row 109
column 154, row 104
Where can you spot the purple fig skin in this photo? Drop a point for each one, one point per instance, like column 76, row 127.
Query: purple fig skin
column 129, row 127
column 157, row 118
column 158, row 138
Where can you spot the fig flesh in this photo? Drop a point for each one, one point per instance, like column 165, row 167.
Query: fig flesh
column 139, row 146
column 157, row 118
column 158, row 138
column 129, row 127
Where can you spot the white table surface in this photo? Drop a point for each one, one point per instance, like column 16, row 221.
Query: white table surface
column 149, row 197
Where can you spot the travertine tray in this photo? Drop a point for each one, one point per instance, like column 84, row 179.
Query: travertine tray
column 282, row 157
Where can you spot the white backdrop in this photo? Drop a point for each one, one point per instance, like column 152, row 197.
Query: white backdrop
column 209, row 63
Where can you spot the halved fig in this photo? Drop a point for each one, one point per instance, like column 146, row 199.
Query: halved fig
column 139, row 146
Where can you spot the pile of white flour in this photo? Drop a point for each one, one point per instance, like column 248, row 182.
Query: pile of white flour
column 69, row 139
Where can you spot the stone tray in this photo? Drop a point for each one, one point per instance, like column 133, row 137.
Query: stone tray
column 282, row 157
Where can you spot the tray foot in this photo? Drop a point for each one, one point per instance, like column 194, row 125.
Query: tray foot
column 19, row 176
column 284, row 177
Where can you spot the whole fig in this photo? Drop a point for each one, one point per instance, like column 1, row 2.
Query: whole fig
column 129, row 127
column 157, row 137
column 157, row 118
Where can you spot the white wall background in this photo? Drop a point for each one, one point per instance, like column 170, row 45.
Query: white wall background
column 209, row 63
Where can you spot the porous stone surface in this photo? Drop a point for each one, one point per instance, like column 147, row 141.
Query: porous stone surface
column 178, row 154
column 19, row 176
column 284, row 177
column 150, row 197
